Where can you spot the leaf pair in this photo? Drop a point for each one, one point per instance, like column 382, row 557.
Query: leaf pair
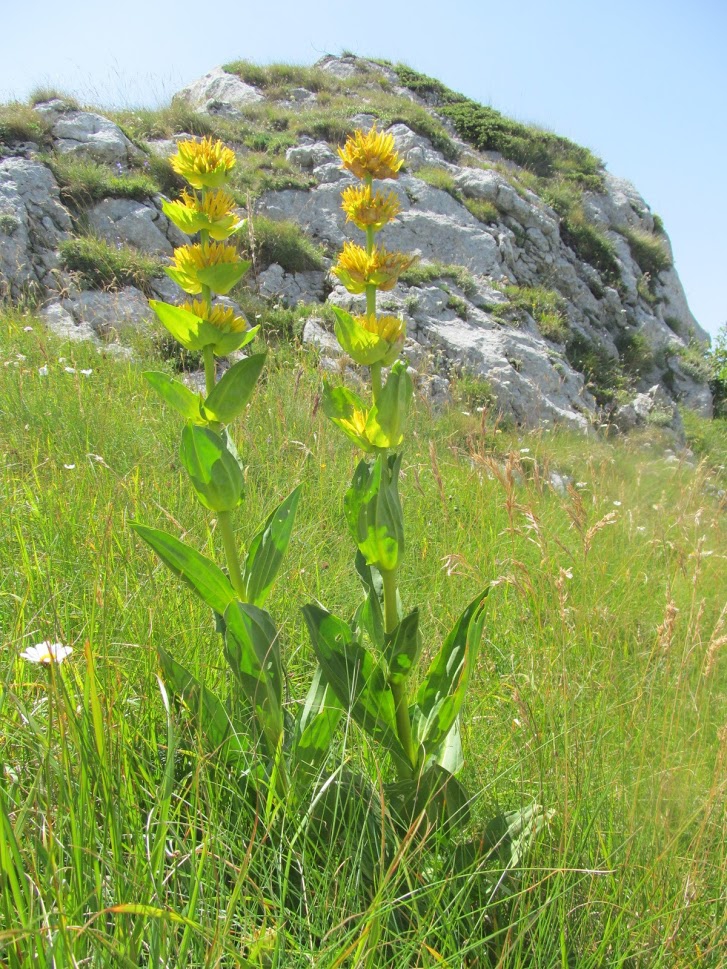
column 373, row 511
column 227, row 400
column 376, row 428
column 195, row 333
column 201, row 574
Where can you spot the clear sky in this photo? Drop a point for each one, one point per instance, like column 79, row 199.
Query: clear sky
column 642, row 83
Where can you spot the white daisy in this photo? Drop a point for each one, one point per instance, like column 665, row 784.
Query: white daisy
column 46, row 653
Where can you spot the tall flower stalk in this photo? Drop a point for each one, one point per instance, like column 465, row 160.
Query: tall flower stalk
column 207, row 269
column 368, row 662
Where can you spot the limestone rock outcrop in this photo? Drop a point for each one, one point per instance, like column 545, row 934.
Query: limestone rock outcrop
column 487, row 241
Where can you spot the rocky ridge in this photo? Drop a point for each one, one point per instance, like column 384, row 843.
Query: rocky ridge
column 502, row 290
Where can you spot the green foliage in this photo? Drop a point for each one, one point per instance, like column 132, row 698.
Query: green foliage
column 47, row 93
column 458, row 305
column 260, row 171
column 486, row 212
column 101, row 265
column 473, row 391
column 708, row 439
column 649, row 250
column 281, row 242
column 635, row 352
column 165, row 825
column 84, row 182
column 545, row 306
column 430, row 272
column 587, row 241
column 695, row 360
column 603, row 373
column 19, row 122
column 718, row 383
column 142, row 124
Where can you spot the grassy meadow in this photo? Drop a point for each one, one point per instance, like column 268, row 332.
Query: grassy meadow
column 600, row 690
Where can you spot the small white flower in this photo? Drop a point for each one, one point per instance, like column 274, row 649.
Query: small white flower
column 70, row 369
column 61, row 359
column 466, row 413
column 42, row 371
column 86, row 373
column 69, row 467
column 20, row 356
column 525, row 450
column 617, row 504
column 46, row 653
column 581, row 484
column 28, row 329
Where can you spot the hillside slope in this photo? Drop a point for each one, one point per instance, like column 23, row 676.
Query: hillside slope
column 539, row 271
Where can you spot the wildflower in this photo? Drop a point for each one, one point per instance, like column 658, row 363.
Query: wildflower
column 369, row 209
column 46, row 653
column 212, row 213
column 370, row 339
column 200, row 265
column 221, row 317
column 43, row 371
column 358, row 269
column 204, row 164
column 371, row 155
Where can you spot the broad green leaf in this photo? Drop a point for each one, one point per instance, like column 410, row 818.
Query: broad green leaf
column 386, row 420
column 223, row 276
column 199, row 572
column 443, row 689
column 175, row 393
column 511, row 835
column 359, row 343
column 213, row 470
column 191, row 331
column 370, row 614
column 234, row 389
column 373, row 511
column 434, row 791
column 226, row 343
column 268, row 548
column 358, row 682
column 253, row 652
column 316, row 727
column 203, row 704
column 347, row 411
column 403, row 648
column 449, row 753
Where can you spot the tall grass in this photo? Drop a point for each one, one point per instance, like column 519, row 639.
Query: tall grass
column 600, row 692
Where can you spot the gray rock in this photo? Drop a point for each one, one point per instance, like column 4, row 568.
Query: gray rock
column 311, row 155
column 293, row 288
column 62, row 324
column 315, row 335
column 90, row 135
column 654, row 407
column 109, row 313
column 218, row 91
column 432, row 388
column 140, row 224
column 33, row 223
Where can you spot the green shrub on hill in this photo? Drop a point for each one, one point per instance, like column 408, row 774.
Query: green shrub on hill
column 83, row 182
column 649, row 250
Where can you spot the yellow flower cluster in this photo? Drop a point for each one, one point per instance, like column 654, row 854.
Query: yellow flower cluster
column 389, row 328
column 204, row 164
column 212, row 212
column 221, row 317
column 357, row 268
column 366, row 208
column 370, row 155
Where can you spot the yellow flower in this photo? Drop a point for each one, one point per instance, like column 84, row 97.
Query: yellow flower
column 204, row 164
column 357, row 269
column 389, row 328
column 206, row 264
column 364, row 208
column 371, row 155
column 213, row 213
column 221, row 317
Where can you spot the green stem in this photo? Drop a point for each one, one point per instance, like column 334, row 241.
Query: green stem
column 376, row 380
column 233, row 560
column 209, row 369
column 398, row 690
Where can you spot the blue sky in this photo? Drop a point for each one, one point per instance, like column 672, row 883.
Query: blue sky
column 641, row 83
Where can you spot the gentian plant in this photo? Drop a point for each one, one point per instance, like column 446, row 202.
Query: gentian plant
column 371, row 662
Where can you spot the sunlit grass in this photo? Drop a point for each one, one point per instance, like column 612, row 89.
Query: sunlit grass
column 600, row 690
